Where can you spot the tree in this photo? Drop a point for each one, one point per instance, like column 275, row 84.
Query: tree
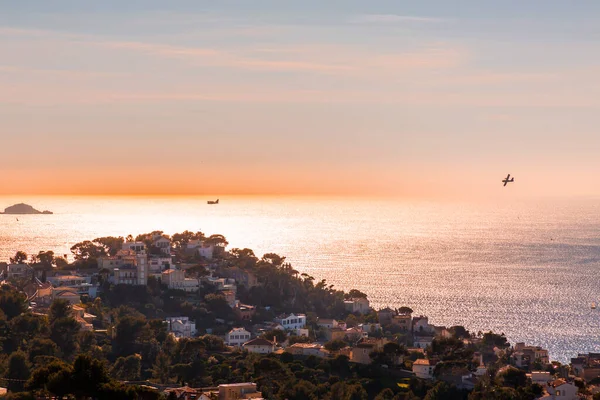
column 88, row 376
column 18, row 371
column 355, row 294
column 111, row 244
column 19, row 258
column 12, row 303
column 279, row 335
column 198, row 271
column 61, row 263
column 443, row 391
column 44, row 260
column 405, row 310
column 385, row 394
column 335, row 345
column 511, row 377
column 160, row 371
column 63, row 327
column 42, row 347
column 87, row 250
column 127, row 368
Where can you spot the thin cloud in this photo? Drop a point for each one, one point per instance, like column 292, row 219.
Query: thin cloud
column 392, row 19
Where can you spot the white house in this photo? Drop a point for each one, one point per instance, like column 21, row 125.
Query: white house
column 138, row 247
column 136, row 274
column 422, row 341
column 359, row 305
column 292, row 322
column 163, row 244
column 540, row 377
column 421, row 324
column 18, row 271
column 561, row 390
column 327, row 323
column 175, row 279
column 423, row 368
column 156, row 265
column 181, row 327
column 259, row 345
column 237, row 337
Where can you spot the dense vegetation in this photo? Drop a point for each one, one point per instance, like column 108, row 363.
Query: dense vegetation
column 49, row 354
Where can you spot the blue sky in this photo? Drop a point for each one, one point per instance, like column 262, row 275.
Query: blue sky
column 385, row 97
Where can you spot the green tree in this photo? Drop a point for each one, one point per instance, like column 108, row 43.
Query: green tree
column 335, row 345
column 87, row 250
column 12, row 303
column 160, row 371
column 19, row 258
column 127, row 368
column 88, row 376
column 443, row 391
column 63, row 327
column 405, row 310
column 17, row 372
column 110, row 244
column 42, row 347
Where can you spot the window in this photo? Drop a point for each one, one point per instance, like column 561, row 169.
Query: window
column 558, row 392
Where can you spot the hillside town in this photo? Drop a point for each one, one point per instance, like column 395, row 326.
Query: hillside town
column 182, row 317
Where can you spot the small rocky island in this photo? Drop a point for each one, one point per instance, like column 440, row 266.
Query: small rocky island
column 22, row 208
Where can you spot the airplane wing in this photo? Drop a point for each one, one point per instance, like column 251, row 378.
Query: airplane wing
column 505, row 182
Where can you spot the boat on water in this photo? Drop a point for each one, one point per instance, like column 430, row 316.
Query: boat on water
column 593, row 306
column 213, row 201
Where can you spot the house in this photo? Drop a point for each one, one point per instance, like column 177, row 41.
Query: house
column 181, row 327
column 201, row 249
column 369, row 328
column 185, row 393
column 561, row 390
column 67, row 294
column 420, row 324
column 356, row 334
column 327, row 323
column 540, row 377
column 525, row 356
column 81, row 284
column 244, row 311
column 422, row 340
column 138, row 247
column 259, row 345
column 235, row 391
column 157, row 264
column 361, row 353
column 229, row 297
column 36, row 288
column 586, row 366
column 423, row 368
column 292, row 321
column 175, row 279
column 133, row 273
column 163, row 244
column 18, row 271
column 241, row 277
column 237, row 337
column 385, row 316
column 403, row 322
column 83, row 318
column 307, row 349
column 335, row 334
column 358, row 305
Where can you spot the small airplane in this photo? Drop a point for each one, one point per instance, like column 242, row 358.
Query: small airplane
column 508, row 180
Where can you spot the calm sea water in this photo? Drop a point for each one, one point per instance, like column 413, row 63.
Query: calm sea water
column 528, row 269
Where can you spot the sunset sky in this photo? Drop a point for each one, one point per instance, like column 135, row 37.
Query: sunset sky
column 407, row 98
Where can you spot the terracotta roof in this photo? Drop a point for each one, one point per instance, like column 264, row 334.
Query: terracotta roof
column 557, row 383
column 259, row 342
column 425, row 361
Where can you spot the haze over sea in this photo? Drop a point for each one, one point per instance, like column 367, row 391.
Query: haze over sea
column 525, row 268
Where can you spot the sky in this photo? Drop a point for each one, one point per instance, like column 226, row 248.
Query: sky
column 269, row 97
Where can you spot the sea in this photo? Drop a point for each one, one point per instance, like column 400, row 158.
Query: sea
column 526, row 268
